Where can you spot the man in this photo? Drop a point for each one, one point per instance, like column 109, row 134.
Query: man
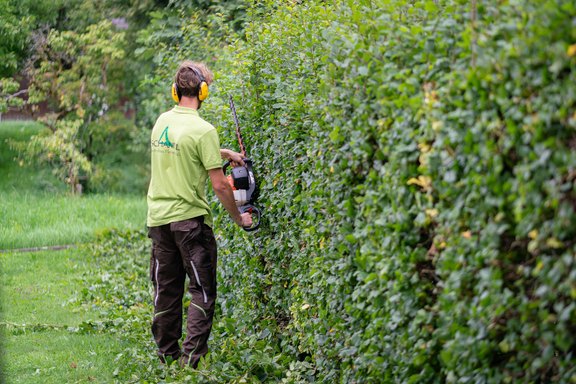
column 185, row 152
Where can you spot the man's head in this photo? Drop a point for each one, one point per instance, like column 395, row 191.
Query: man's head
column 189, row 80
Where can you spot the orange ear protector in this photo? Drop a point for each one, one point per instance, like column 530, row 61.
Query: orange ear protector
column 202, row 88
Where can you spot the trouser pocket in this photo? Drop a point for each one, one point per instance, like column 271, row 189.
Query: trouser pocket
column 198, row 253
column 199, row 280
column 202, row 261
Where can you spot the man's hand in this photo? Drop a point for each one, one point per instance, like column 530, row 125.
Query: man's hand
column 236, row 159
column 246, row 219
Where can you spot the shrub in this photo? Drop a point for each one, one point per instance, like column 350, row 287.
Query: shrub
column 417, row 164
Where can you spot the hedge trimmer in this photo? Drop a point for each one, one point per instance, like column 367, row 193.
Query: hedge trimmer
column 242, row 180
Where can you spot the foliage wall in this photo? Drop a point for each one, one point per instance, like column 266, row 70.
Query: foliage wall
column 417, row 169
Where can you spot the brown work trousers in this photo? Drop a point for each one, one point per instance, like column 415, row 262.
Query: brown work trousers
column 178, row 249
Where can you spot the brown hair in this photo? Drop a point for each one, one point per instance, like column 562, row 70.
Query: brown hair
column 189, row 76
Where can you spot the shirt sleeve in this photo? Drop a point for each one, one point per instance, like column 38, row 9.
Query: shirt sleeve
column 209, row 150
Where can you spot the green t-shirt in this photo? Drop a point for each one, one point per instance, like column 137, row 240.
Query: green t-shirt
column 184, row 147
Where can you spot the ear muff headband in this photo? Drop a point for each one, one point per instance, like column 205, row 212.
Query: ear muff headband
column 202, row 87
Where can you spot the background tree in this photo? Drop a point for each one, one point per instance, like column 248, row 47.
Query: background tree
column 79, row 60
column 82, row 76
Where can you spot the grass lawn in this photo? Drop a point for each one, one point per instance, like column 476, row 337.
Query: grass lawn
column 58, row 357
column 40, row 219
column 39, row 322
column 42, row 338
column 39, row 286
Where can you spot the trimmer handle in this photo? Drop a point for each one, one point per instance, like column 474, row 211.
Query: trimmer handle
column 227, row 164
column 255, row 215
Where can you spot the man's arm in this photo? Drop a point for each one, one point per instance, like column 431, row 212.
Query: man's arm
column 226, row 196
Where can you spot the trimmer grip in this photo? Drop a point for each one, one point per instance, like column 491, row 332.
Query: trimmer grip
column 255, row 212
column 247, row 161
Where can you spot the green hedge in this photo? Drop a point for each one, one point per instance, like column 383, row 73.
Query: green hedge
column 417, row 169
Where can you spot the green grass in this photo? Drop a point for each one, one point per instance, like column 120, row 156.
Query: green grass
column 59, row 357
column 38, row 283
column 43, row 333
column 33, row 220
column 40, row 317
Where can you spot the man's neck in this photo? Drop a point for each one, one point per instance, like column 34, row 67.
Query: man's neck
column 189, row 102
